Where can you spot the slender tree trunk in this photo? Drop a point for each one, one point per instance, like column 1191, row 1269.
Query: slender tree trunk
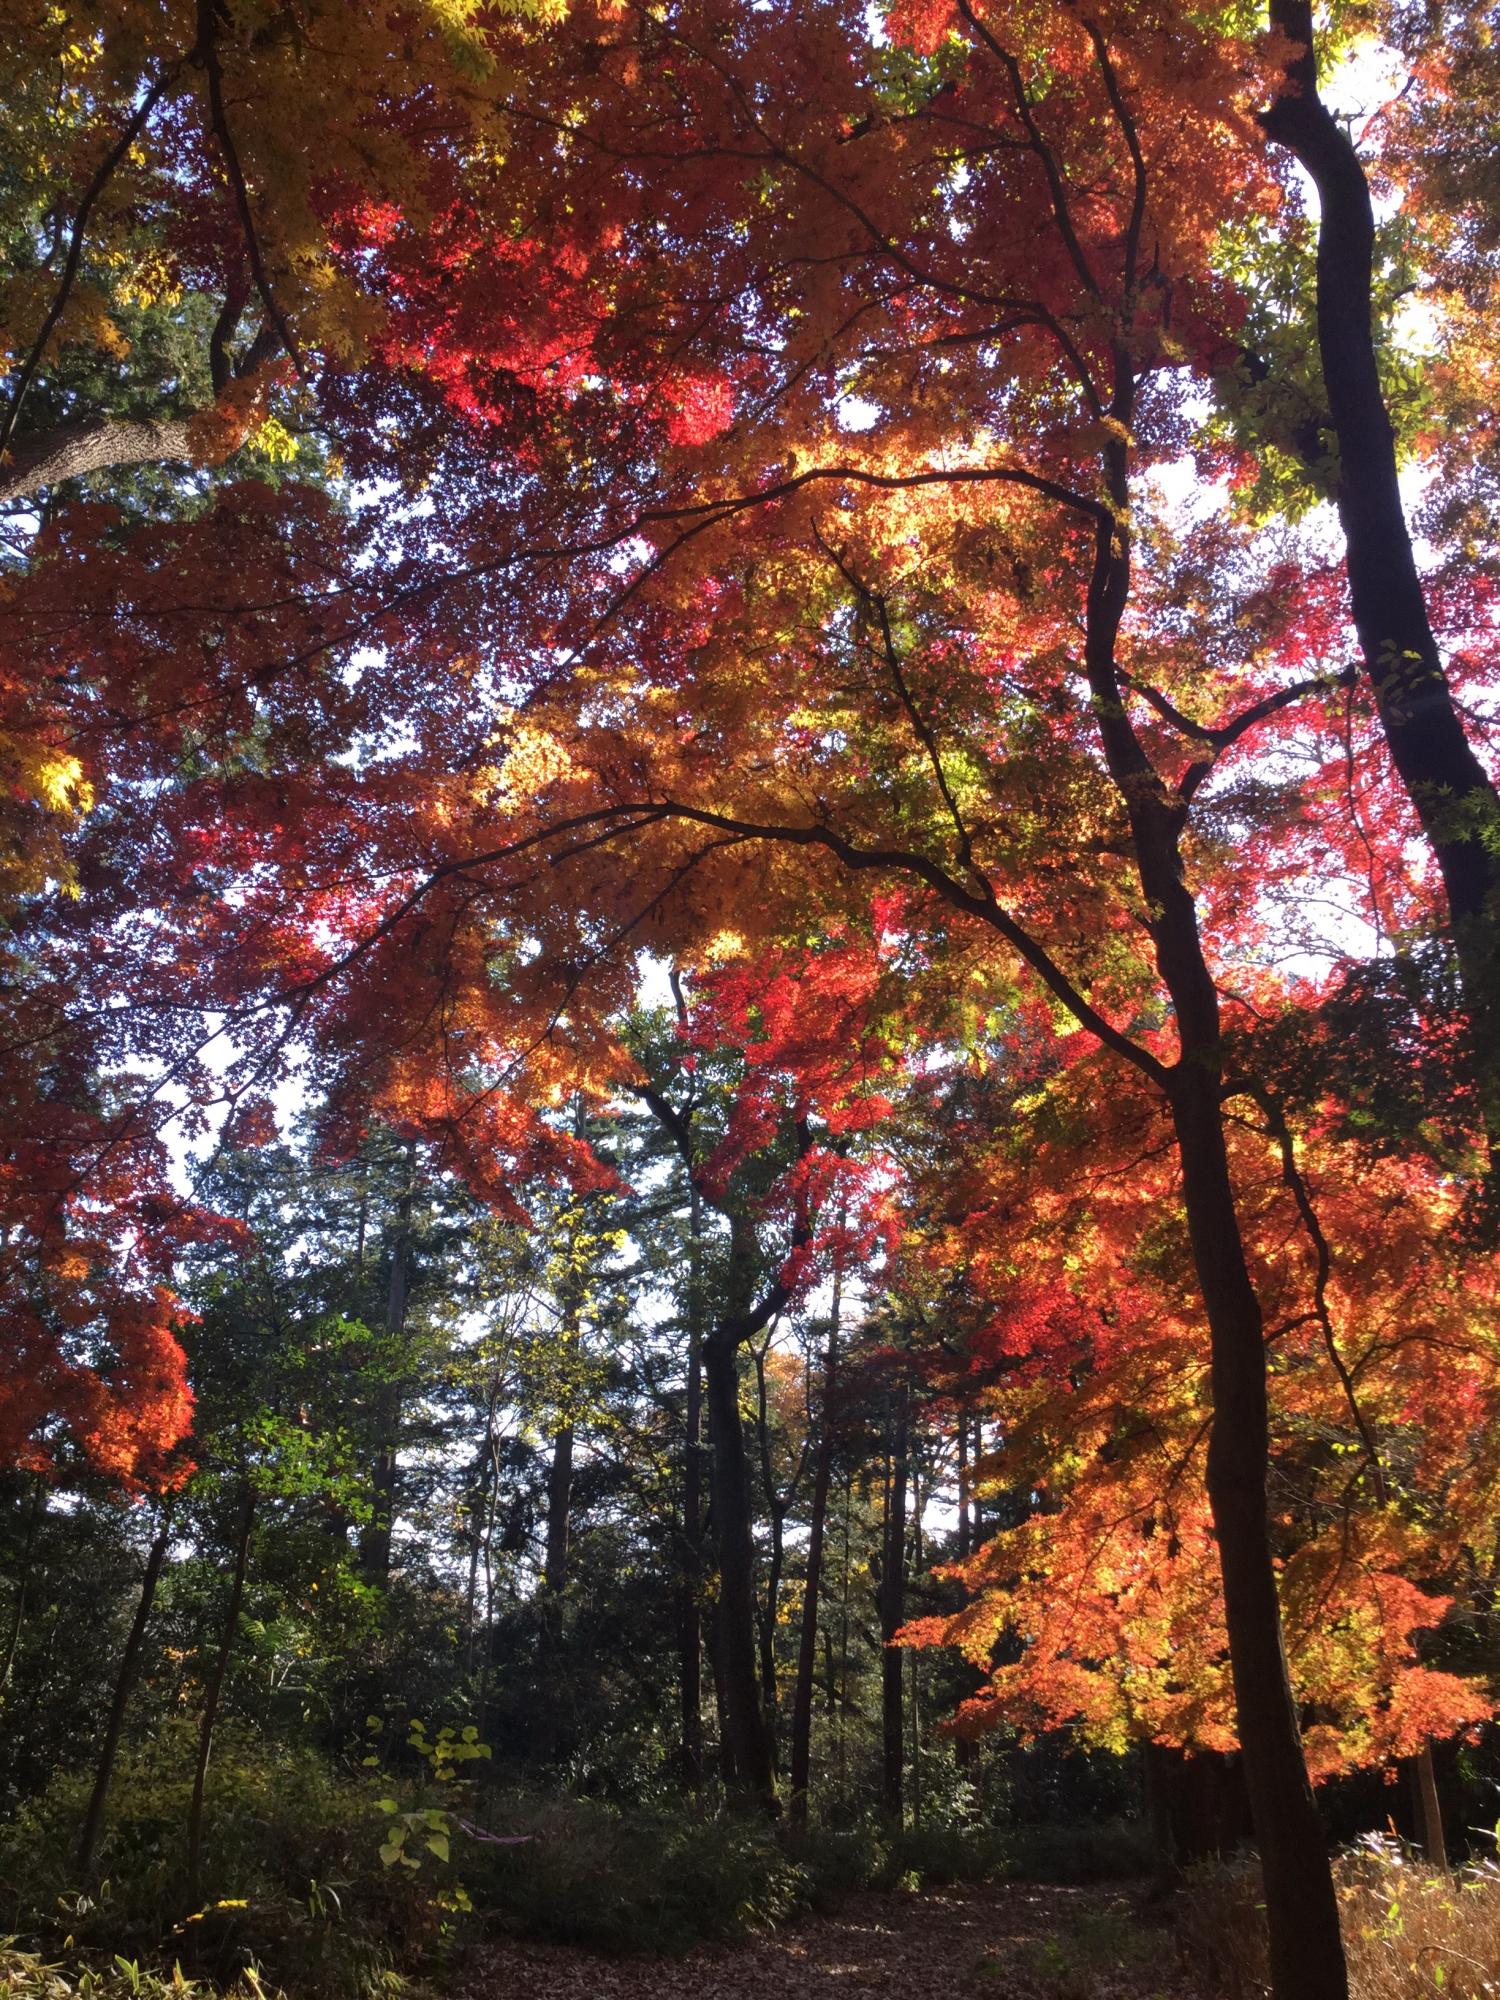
column 727, row 1769
column 964, row 1749
column 1156, row 1781
column 807, row 1641
column 690, row 1615
column 376, row 1537
column 913, row 1672
column 1429, row 1807
column 125, row 1679
column 213, row 1695
column 744, row 1716
column 559, row 1513
column 776, row 1559
column 36, row 1506
column 1306, row 1948
column 1307, row 1959
column 1448, row 786
column 891, row 1603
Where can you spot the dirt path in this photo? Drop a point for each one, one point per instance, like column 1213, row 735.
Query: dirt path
column 1012, row 1942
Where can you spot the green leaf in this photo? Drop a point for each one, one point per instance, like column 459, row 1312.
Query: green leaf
column 386, row 1805
column 437, row 1843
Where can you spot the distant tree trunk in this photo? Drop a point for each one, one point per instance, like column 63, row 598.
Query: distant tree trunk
column 775, row 1562
column 1429, row 1807
column 34, row 1512
column 744, row 1717
column 125, row 1679
column 891, row 1600
column 807, row 1644
column 376, row 1537
column 964, row 1748
column 965, row 1516
column 559, row 1513
column 914, row 1674
column 214, row 1692
column 1159, row 1818
column 690, row 1618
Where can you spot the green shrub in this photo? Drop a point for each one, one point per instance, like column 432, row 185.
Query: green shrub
column 623, row 1880
column 937, row 1856
column 27, row 1975
column 292, row 1877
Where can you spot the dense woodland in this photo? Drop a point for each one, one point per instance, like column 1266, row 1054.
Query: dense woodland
column 749, row 975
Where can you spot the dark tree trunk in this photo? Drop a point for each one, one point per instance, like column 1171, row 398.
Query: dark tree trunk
column 690, row 1623
column 807, row 1640
column 1307, row 1959
column 559, row 1513
column 125, row 1679
column 776, row 1508
column 1429, row 1807
column 964, row 1750
column 728, row 1770
column 690, row 1610
column 1307, row 1954
column 213, row 1695
column 1448, row 786
column 36, row 1506
column 375, row 1538
column 891, row 1604
column 744, row 1717
column 1156, row 1780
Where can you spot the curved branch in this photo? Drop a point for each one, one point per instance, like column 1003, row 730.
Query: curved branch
column 102, row 176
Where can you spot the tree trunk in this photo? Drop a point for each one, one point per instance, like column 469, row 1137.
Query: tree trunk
column 34, row 1512
column 1307, row 1958
column 1429, row 1807
column 1306, row 1947
column 1448, row 786
column 559, row 1514
column 891, row 1603
column 125, row 1679
column 375, row 1539
column 807, row 1642
column 100, row 444
column 1155, row 1780
column 213, row 1695
column 776, row 1559
column 744, row 1716
column 964, row 1749
column 690, row 1620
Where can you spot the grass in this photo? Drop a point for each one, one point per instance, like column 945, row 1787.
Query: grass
column 1410, row 1932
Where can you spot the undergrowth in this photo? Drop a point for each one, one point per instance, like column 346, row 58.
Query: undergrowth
column 305, row 1888
column 1410, row 1932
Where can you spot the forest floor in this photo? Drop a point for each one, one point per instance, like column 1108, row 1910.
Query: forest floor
column 1011, row 1941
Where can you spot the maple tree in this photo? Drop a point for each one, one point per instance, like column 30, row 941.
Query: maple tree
column 776, row 538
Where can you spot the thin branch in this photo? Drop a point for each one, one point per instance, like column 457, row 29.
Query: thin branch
column 1055, row 184
column 102, row 176
column 207, row 52
column 1127, row 126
